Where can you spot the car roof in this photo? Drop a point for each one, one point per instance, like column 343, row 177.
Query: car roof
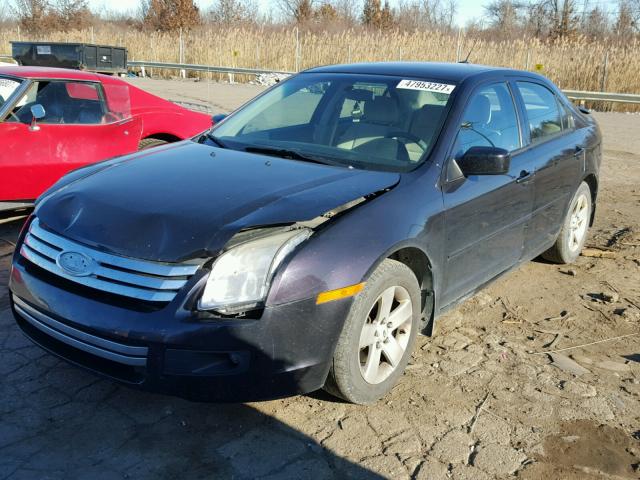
column 49, row 72
column 455, row 72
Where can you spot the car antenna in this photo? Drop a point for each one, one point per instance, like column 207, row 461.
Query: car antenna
column 466, row 60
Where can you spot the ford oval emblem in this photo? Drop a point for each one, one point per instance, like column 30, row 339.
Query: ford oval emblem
column 75, row 263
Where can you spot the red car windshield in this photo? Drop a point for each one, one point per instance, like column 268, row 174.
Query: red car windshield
column 8, row 86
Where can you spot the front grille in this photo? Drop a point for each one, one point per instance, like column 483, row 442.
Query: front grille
column 139, row 279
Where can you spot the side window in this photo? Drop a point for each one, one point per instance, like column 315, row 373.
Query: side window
column 568, row 122
column 489, row 120
column 543, row 111
column 63, row 103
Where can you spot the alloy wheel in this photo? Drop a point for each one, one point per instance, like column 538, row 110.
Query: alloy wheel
column 385, row 334
column 578, row 222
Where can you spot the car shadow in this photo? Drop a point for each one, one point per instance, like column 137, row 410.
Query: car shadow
column 58, row 421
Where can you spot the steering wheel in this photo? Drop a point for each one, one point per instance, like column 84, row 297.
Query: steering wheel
column 408, row 136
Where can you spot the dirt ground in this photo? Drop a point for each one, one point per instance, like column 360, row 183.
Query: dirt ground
column 480, row 400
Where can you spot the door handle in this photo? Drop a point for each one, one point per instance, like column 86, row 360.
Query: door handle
column 524, row 176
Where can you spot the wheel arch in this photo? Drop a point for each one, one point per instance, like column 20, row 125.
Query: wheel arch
column 167, row 137
column 417, row 259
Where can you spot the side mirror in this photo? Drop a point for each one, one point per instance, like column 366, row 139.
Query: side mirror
column 37, row 113
column 218, row 118
column 485, row 161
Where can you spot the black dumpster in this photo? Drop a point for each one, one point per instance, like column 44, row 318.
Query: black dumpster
column 79, row 56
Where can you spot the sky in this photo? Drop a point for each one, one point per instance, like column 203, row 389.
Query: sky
column 467, row 9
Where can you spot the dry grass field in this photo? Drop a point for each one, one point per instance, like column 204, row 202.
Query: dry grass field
column 575, row 63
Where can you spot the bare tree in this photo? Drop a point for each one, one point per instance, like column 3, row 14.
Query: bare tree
column 33, row 15
column 5, row 13
column 595, row 23
column 347, row 10
column 325, row 13
column 299, row 11
column 233, row 11
column 628, row 18
column 432, row 14
column 72, row 14
column 504, row 15
column 167, row 15
column 565, row 17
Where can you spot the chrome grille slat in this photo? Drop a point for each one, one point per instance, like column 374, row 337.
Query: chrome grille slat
column 41, row 247
column 140, row 279
column 143, row 281
column 142, row 266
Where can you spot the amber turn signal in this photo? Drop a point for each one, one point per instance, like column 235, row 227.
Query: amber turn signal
column 331, row 295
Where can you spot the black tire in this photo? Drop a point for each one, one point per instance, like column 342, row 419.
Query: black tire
column 565, row 250
column 345, row 378
column 146, row 143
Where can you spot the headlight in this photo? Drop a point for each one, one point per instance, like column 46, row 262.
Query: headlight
column 240, row 278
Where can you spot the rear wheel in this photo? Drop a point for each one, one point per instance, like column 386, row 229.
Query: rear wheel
column 378, row 336
column 574, row 229
column 146, row 143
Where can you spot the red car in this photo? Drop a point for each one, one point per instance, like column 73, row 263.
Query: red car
column 54, row 120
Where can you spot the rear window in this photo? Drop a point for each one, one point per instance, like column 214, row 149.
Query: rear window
column 543, row 111
column 82, row 91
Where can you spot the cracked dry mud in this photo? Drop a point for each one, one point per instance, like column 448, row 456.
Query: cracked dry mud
column 475, row 403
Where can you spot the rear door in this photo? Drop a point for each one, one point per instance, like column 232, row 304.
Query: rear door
column 486, row 215
column 78, row 129
column 553, row 144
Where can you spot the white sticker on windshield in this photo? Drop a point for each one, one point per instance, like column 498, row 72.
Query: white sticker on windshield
column 43, row 49
column 426, row 86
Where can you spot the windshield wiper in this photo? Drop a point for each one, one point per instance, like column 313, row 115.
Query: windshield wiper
column 287, row 153
column 214, row 139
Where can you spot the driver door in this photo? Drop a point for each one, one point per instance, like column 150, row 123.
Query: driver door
column 485, row 215
column 77, row 130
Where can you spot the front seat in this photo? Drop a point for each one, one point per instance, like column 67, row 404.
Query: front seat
column 475, row 125
column 380, row 118
column 53, row 98
column 423, row 125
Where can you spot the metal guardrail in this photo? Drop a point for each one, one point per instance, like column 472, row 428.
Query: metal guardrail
column 573, row 94
column 603, row 96
column 203, row 68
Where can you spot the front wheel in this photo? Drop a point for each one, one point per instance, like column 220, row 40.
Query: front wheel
column 378, row 336
column 574, row 229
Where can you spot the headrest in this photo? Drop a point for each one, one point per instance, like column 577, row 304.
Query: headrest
column 360, row 95
column 382, row 110
column 426, row 119
column 479, row 111
column 54, row 90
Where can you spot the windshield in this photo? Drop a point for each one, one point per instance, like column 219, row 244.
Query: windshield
column 8, row 86
column 371, row 122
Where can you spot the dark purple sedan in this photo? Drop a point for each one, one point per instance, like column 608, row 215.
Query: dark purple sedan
column 305, row 240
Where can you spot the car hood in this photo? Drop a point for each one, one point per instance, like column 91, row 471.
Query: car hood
column 187, row 200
